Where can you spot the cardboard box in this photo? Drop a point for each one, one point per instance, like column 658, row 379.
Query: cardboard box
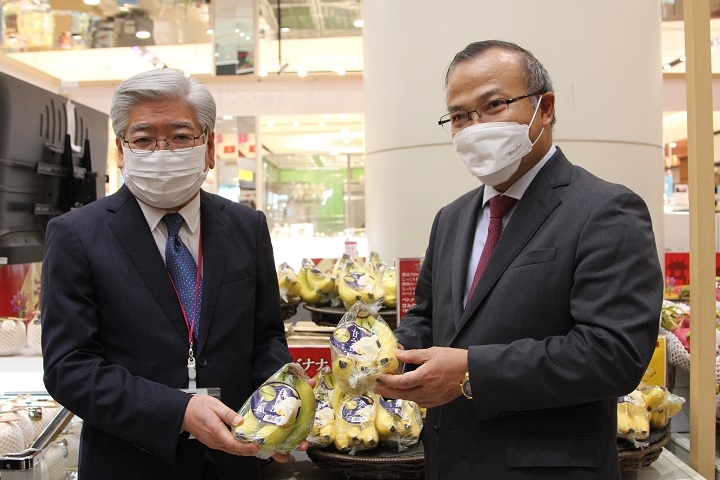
column 656, row 373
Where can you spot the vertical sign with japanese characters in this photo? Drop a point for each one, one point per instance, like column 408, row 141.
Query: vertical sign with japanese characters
column 408, row 270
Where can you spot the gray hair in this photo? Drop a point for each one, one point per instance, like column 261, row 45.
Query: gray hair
column 537, row 78
column 161, row 84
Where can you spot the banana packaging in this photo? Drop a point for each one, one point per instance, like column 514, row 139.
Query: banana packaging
column 327, row 399
column 360, row 286
column 633, row 420
column 288, row 282
column 279, row 414
column 661, row 404
column 398, row 422
column 389, row 285
column 315, row 286
column 362, row 347
column 355, row 424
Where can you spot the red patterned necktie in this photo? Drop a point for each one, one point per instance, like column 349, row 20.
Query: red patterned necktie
column 499, row 206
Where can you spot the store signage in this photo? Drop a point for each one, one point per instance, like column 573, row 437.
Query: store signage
column 408, row 271
column 677, row 270
column 656, row 373
column 311, row 357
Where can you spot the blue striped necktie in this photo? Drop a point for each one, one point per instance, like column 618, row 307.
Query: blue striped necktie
column 183, row 270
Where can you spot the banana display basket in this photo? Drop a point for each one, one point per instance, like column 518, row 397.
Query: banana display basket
column 380, row 462
column 632, row 458
column 330, row 316
column 289, row 309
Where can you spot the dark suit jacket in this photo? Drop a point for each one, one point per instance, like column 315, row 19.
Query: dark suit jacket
column 564, row 320
column 115, row 344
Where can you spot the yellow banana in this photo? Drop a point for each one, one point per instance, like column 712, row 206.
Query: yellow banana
column 288, row 282
column 359, row 287
column 658, row 419
column 279, row 414
column 389, row 285
column 654, row 396
column 309, row 295
column 355, row 424
column 385, row 422
column 316, row 278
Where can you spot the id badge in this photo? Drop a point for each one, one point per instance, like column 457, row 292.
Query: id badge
column 212, row 391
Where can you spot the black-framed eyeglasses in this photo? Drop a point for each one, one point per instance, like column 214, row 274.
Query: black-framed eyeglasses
column 179, row 141
column 459, row 119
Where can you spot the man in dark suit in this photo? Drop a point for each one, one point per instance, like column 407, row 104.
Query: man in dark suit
column 522, row 369
column 126, row 339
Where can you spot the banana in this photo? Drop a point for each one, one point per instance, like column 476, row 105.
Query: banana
column 279, row 414
column 316, row 278
column 362, row 348
column 288, row 282
column 385, row 421
column 309, row 295
column 359, row 287
column 374, row 265
column 659, row 418
column 388, row 281
column 355, row 424
column 654, row 396
column 674, row 404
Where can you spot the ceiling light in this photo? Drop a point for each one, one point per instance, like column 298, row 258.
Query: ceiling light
column 302, row 72
column 209, row 31
column 673, row 144
column 321, row 124
column 237, row 30
column 142, row 34
column 159, row 65
column 284, row 29
column 683, row 58
column 340, row 71
column 262, row 73
column 91, row 2
column 359, row 23
column 667, row 66
column 227, row 117
column 296, row 124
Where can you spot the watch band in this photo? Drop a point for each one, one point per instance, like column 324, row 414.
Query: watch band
column 465, row 386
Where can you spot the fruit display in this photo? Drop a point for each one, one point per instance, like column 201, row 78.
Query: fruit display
column 362, row 347
column 374, row 283
column 355, row 424
column 398, row 422
column 648, row 407
column 279, row 414
column 327, row 399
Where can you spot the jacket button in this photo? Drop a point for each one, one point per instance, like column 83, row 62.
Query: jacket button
column 202, row 361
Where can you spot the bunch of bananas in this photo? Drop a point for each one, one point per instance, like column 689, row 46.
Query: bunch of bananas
column 288, row 282
column 279, row 414
column 362, row 347
column 327, row 399
column 316, row 287
column 661, row 404
column 398, row 422
column 633, row 421
column 355, row 424
column 646, row 408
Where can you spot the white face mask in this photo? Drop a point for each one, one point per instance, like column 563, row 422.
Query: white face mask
column 492, row 151
column 163, row 178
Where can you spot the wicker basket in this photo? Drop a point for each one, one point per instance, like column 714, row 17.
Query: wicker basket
column 631, row 458
column 289, row 309
column 377, row 463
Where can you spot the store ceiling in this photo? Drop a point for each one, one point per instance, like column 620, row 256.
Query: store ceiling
column 310, row 137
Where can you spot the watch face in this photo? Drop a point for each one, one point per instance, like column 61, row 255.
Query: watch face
column 466, row 388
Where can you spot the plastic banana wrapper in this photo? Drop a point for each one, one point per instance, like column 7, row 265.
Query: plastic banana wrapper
column 355, row 424
column 279, row 414
column 398, row 422
column 327, row 399
column 362, row 347
column 646, row 408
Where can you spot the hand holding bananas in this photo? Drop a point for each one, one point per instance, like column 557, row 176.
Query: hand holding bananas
column 362, row 347
column 279, row 414
column 435, row 382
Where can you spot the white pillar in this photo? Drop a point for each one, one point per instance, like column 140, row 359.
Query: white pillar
column 604, row 59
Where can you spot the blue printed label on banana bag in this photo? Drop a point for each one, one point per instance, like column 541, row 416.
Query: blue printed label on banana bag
column 353, row 339
column 391, row 405
column 277, row 403
column 358, row 410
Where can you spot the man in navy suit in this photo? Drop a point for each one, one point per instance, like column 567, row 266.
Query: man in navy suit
column 522, row 363
column 129, row 345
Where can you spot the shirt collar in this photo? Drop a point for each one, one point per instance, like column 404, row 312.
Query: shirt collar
column 518, row 188
column 190, row 213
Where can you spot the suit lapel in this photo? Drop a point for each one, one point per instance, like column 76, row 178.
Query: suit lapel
column 538, row 201
column 215, row 233
column 467, row 223
column 131, row 229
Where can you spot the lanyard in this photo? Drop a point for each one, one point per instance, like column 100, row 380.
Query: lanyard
column 192, row 373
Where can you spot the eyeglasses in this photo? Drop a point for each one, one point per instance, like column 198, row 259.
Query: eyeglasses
column 459, row 119
column 179, row 141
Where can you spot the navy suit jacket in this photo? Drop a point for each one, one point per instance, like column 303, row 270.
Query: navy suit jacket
column 115, row 343
column 564, row 320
